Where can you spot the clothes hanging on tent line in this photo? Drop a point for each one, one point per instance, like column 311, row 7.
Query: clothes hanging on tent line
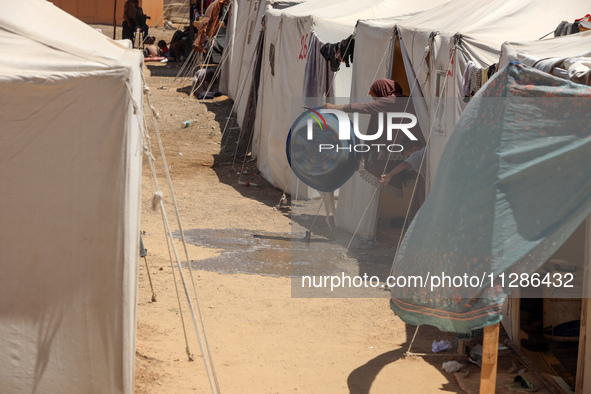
column 317, row 76
column 565, row 28
column 340, row 52
column 474, row 77
column 209, row 25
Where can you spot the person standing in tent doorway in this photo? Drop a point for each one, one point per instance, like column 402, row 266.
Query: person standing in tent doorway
column 129, row 22
column 387, row 97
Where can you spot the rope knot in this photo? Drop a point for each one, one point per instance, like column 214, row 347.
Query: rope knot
column 156, row 200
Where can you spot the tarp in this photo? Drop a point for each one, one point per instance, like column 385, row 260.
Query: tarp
column 512, row 185
column 288, row 32
column 70, row 159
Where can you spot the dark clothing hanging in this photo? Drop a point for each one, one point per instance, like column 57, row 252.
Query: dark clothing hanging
column 339, row 52
column 246, row 131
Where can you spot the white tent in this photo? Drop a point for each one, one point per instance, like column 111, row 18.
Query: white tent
column 289, row 32
column 555, row 56
column 244, row 25
column 435, row 46
column 478, row 38
column 70, row 159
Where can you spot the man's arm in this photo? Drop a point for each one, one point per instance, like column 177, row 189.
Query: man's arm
column 333, row 106
column 385, row 179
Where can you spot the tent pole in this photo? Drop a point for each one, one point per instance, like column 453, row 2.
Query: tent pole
column 114, row 19
column 490, row 350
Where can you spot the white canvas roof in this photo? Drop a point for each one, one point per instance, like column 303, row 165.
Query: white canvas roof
column 70, row 154
column 289, row 32
column 479, row 28
column 551, row 51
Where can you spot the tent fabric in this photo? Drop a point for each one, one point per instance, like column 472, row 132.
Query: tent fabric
column 70, row 153
column 250, row 112
column 289, row 32
column 566, row 56
column 479, row 37
column 244, row 27
column 427, row 40
column 512, row 185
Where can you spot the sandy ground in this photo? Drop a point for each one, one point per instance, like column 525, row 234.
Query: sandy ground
column 262, row 340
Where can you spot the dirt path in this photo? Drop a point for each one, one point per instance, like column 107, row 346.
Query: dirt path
column 262, row 339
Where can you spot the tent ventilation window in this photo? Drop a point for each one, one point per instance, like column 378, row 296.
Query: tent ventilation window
column 250, row 30
column 439, row 103
column 272, row 58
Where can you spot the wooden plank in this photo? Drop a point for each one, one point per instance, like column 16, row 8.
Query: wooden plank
column 490, row 352
column 516, row 316
column 584, row 357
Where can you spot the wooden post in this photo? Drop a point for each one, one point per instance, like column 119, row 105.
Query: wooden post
column 584, row 357
column 114, row 19
column 490, row 350
column 515, row 316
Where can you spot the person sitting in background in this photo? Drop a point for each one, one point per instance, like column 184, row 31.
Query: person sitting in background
column 151, row 50
column 177, row 51
column 163, row 49
column 129, row 23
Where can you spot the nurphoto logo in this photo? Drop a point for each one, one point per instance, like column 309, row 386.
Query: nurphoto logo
column 395, row 122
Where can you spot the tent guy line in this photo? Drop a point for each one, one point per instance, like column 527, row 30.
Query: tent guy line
column 386, row 164
column 156, row 201
column 207, row 355
column 422, row 162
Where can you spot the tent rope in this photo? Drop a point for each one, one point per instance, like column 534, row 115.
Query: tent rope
column 189, row 71
column 207, row 356
column 423, row 158
column 408, row 353
column 226, row 54
column 252, row 61
column 390, row 47
column 162, row 18
column 156, row 202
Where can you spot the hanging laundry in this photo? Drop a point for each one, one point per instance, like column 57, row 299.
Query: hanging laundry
column 483, row 76
column 347, row 49
column 209, row 24
column 466, row 78
column 317, row 77
column 491, row 70
column 475, row 82
column 339, row 52
column 566, row 28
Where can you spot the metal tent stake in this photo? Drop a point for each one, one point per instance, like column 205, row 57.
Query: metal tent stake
column 144, row 253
